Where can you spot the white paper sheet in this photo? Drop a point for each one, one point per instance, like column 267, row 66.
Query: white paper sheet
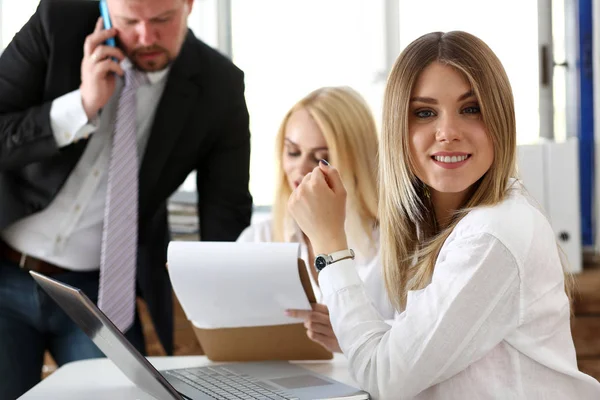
column 231, row 284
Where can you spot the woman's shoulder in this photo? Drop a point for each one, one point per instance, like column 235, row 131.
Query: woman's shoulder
column 516, row 203
column 517, row 222
column 260, row 231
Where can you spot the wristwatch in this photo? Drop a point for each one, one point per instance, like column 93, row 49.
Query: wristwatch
column 323, row 260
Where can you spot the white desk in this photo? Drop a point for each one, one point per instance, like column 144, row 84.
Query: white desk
column 101, row 379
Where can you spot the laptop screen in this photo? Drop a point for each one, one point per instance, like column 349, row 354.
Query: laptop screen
column 107, row 337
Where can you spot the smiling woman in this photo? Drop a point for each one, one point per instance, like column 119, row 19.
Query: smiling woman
column 447, row 133
column 468, row 258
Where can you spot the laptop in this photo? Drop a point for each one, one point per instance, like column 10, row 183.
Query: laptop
column 259, row 380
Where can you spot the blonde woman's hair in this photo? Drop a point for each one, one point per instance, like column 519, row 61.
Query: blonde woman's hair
column 347, row 124
column 411, row 239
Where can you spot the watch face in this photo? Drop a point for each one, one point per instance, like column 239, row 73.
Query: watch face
column 320, row 263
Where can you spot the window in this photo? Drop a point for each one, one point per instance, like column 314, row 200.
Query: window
column 203, row 21
column 509, row 27
column 13, row 15
column 289, row 48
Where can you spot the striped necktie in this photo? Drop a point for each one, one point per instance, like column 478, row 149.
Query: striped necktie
column 116, row 295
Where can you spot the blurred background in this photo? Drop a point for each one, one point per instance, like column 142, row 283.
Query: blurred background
column 288, row 48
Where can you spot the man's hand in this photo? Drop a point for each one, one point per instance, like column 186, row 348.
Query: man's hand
column 318, row 326
column 99, row 70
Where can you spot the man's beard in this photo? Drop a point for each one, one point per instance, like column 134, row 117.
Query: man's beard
column 158, row 63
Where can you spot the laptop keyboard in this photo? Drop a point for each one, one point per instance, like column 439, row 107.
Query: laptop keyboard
column 220, row 383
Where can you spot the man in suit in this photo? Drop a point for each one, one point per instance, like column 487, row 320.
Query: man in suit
column 74, row 115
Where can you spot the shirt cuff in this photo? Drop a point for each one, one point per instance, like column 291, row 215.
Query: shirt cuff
column 338, row 276
column 68, row 120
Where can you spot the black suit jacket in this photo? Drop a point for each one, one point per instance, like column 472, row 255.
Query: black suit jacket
column 201, row 124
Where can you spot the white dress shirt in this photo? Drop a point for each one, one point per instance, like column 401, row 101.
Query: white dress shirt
column 68, row 232
column 367, row 267
column 492, row 324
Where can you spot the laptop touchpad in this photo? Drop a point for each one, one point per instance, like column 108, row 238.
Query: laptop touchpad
column 299, row 381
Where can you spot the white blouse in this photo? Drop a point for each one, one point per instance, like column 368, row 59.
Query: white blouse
column 492, row 324
column 367, row 268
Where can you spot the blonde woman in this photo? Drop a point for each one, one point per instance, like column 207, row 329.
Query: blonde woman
column 467, row 256
column 335, row 124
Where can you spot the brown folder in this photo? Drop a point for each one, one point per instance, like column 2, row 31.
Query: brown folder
column 261, row 343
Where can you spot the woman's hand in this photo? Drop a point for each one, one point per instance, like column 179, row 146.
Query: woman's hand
column 318, row 326
column 318, row 206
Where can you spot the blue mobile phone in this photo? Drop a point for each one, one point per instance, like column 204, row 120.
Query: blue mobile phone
column 107, row 23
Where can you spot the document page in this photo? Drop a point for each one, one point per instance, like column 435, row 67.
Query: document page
column 231, row 284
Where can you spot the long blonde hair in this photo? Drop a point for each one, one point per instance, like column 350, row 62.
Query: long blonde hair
column 349, row 129
column 411, row 240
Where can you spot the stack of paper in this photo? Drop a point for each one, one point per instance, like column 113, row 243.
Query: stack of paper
column 231, row 284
